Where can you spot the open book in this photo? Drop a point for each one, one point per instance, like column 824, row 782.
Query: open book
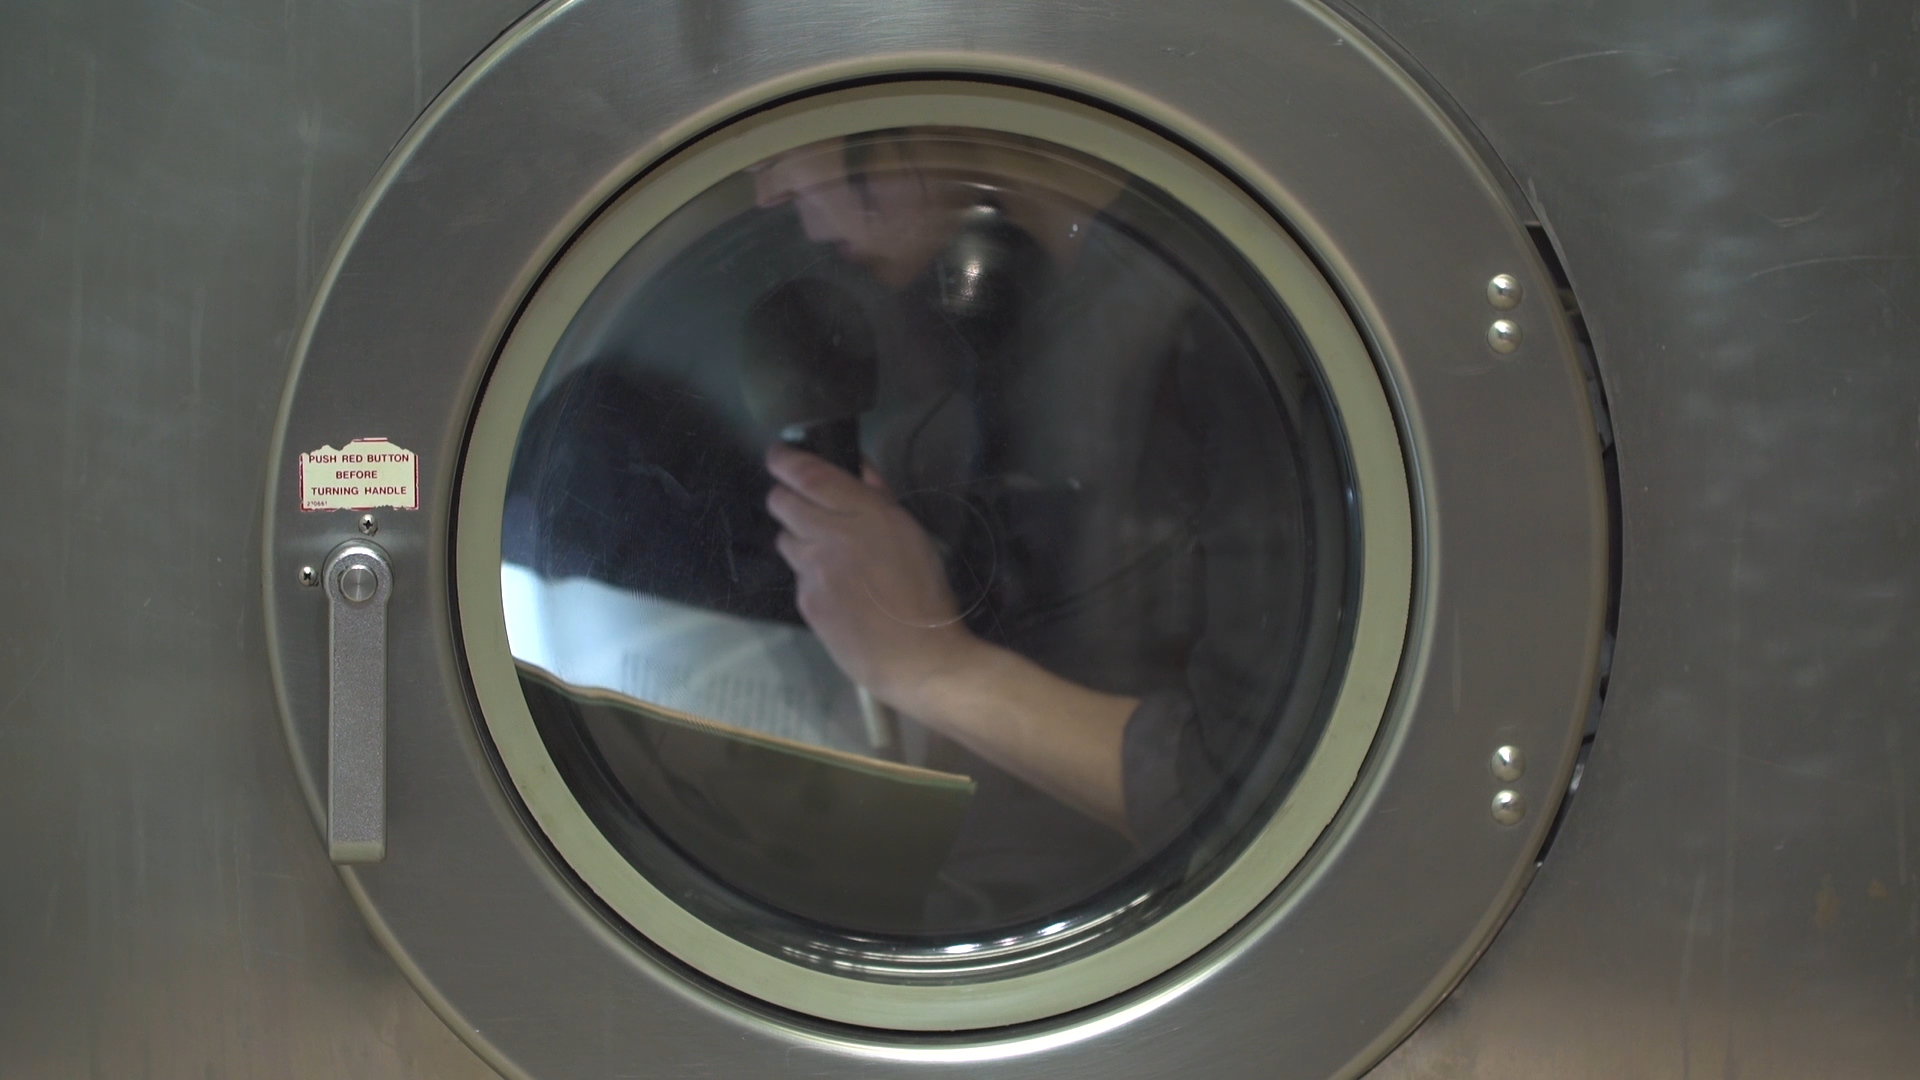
column 763, row 785
column 773, row 678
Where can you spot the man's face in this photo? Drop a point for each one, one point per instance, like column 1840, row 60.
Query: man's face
column 888, row 220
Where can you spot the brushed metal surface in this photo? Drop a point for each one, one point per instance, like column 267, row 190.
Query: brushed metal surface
column 1736, row 892
column 359, row 582
column 1736, row 889
column 172, row 178
column 1358, row 946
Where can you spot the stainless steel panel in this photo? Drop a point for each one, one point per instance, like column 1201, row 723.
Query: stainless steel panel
column 1736, row 890
column 172, row 178
column 1356, row 947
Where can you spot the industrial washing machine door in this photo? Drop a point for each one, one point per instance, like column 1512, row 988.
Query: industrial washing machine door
column 937, row 546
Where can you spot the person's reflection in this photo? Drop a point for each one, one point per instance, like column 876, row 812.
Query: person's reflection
column 871, row 584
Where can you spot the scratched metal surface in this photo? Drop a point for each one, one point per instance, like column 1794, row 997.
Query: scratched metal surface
column 1736, row 892
column 172, row 178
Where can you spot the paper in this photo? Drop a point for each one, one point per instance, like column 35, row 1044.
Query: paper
column 773, row 678
column 365, row 474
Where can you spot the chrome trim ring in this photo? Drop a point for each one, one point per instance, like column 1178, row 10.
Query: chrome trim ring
column 1385, row 555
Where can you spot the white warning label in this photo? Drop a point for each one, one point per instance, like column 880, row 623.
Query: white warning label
column 362, row 475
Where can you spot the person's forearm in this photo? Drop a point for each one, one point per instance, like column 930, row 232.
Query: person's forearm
column 1053, row 733
column 869, row 582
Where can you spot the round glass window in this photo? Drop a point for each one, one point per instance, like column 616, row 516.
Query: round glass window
column 928, row 554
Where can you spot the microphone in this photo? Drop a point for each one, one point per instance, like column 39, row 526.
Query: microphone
column 810, row 369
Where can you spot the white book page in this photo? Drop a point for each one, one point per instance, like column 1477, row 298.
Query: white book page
column 769, row 677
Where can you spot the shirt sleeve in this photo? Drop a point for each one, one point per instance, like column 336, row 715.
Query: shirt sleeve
column 1158, row 802
column 1250, row 563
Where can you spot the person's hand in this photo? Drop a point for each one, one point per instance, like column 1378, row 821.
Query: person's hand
column 869, row 582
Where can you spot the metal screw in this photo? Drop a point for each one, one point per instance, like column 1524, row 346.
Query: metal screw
column 309, row 576
column 369, row 526
column 1509, row 807
column 1504, row 335
column 358, row 584
column 1503, row 292
column 1508, row 764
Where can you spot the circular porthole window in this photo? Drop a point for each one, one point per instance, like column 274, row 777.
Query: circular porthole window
column 933, row 556
column 903, row 551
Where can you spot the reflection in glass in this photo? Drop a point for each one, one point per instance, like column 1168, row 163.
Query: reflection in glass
column 927, row 551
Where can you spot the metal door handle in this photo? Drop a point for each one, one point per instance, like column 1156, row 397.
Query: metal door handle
column 358, row 582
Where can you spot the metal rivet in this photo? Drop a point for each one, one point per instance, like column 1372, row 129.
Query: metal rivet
column 370, row 526
column 1504, row 335
column 1503, row 292
column 309, row 576
column 1508, row 764
column 358, row 584
column 1509, row 807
